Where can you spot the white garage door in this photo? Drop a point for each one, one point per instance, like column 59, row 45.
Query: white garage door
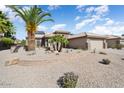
column 96, row 44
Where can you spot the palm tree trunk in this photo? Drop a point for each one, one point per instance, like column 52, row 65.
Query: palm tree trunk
column 60, row 49
column 57, row 46
column 54, row 47
column 31, row 41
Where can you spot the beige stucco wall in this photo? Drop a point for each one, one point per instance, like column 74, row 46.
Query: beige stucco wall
column 112, row 42
column 87, row 43
column 78, row 43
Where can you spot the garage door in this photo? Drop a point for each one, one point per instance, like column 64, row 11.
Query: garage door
column 96, row 44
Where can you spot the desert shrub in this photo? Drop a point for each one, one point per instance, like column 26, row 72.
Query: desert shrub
column 103, row 53
column 118, row 46
column 105, row 61
column 5, row 43
column 69, row 80
column 23, row 42
column 113, row 46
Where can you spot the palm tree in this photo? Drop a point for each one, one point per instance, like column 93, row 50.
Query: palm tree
column 32, row 18
column 58, row 42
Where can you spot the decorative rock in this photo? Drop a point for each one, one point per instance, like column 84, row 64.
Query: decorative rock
column 12, row 62
column 122, row 58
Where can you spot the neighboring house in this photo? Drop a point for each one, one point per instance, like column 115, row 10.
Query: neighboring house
column 92, row 41
column 112, row 40
column 122, row 39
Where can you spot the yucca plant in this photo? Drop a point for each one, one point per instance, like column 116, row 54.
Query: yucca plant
column 32, row 17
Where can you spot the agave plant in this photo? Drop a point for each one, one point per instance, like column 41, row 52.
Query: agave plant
column 32, row 17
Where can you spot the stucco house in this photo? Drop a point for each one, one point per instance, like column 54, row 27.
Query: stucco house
column 41, row 38
column 92, row 41
column 112, row 40
column 57, row 32
column 82, row 40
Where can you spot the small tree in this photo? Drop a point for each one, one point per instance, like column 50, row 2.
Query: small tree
column 58, row 42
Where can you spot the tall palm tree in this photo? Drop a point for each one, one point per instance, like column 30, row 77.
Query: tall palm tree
column 32, row 18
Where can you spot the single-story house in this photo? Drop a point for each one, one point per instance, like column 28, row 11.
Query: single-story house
column 60, row 32
column 92, row 41
column 112, row 40
column 41, row 38
column 82, row 40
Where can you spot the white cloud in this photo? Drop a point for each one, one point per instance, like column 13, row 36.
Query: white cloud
column 117, row 29
column 77, row 18
column 53, row 7
column 109, row 21
column 98, row 15
column 101, row 9
column 80, row 8
column 90, row 9
column 10, row 14
column 85, row 22
column 58, row 27
column 26, row 7
column 4, row 9
column 42, row 28
column 101, row 30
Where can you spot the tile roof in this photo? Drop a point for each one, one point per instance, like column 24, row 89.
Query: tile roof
column 92, row 35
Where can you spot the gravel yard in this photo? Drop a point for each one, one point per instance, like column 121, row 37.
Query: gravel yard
column 44, row 69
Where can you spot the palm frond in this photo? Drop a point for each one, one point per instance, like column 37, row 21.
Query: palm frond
column 45, row 20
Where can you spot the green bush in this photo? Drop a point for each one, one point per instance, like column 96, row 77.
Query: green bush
column 69, row 80
column 23, row 42
column 7, row 41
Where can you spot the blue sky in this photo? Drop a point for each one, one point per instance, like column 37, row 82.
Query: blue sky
column 98, row 19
